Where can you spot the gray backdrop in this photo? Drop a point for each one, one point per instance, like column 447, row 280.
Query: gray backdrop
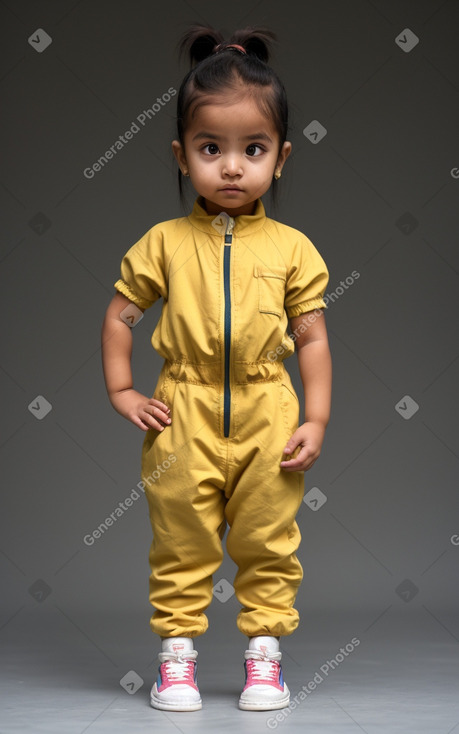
column 373, row 180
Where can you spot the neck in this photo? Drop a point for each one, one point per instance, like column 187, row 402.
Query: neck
column 212, row 208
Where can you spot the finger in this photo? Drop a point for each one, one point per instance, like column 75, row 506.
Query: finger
column 157, row 418
column 300, row 467
column 159, row 404
column 298, row 461
column 292, row 443
column 292, row 465
column 140, row 423
column 162, row 416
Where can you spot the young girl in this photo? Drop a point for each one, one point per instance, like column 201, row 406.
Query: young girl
column 222, row 442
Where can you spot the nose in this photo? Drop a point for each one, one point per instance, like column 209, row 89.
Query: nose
column 232, row 165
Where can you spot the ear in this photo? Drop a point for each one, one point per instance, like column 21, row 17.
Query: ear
column 179, row 152
column 283, row 155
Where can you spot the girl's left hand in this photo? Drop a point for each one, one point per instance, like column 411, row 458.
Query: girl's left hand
column 310, row 437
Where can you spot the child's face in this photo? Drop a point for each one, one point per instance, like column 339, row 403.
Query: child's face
column 231, row 152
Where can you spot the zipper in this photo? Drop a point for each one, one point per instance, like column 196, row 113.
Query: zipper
column 227, row 330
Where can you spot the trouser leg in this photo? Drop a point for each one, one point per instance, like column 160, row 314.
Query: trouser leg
column 264, row 536
column 262, row 541
column 184, row 554
column 186, row 507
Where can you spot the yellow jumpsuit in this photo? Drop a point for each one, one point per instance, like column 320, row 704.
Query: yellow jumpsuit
column 228, row 286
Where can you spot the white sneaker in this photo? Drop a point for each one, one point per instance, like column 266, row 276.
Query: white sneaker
column 176, row 687
column 264, row 688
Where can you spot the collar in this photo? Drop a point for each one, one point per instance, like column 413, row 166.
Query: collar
column 245, row 224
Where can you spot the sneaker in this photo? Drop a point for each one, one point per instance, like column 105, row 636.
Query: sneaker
column 176, row 687
column 264, row 684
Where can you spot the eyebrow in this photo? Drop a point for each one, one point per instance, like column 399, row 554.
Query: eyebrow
column 212, row 136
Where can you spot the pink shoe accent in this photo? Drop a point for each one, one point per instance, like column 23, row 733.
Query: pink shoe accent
column 263, row 672
column 177, row 669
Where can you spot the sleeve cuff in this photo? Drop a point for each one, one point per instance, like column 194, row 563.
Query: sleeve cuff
column 127, row 291
column 305, row 306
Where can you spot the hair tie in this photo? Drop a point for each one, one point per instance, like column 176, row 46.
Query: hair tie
column 219, row 48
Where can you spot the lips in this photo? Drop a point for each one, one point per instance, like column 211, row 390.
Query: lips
column 230, row 188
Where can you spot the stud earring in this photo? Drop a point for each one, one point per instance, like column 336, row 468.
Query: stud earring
column 277, row 175
column 185, row 172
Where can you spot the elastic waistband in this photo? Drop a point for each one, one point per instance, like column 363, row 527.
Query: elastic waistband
column 211, row 373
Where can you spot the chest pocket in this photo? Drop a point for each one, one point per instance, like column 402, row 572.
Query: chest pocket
column 271, row 288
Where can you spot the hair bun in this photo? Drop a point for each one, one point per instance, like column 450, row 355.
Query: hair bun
column 257, row 41
column 199, row 42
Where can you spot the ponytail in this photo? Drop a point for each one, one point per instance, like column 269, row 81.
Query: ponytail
column 201, row 41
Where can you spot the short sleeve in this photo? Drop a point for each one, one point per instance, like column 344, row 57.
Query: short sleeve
column 143, row 270
column 307, row 279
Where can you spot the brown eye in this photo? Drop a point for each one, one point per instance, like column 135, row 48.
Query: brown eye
column 252, row 150
column 211, row 148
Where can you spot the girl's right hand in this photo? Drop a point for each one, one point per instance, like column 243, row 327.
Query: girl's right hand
column 144, row 412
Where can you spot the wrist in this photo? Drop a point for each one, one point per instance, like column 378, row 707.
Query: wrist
column 115, row 395
column 319, row 422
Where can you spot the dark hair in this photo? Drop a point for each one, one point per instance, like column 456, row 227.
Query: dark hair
column 216, row 66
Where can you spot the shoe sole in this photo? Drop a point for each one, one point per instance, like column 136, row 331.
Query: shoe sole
column 266, row 706
column 167, row 706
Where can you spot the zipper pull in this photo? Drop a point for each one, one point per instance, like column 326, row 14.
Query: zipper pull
column 224, row 224
column 229, row 230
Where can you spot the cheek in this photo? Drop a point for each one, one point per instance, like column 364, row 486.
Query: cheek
column 200, row 162
column 264, row 171
column 201, row 172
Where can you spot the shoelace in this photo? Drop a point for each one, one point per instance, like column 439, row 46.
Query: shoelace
column 178, row 668
column 263, row 667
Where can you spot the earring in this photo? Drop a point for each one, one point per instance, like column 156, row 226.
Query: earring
column 277, row 175
column 185, row 173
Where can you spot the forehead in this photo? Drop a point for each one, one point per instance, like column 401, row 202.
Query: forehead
column 229, row 117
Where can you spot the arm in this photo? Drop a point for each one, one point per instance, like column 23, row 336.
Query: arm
column 116, row 362
column 314, row 361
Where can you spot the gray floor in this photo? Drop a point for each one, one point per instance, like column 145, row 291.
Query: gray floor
column 402, row 676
